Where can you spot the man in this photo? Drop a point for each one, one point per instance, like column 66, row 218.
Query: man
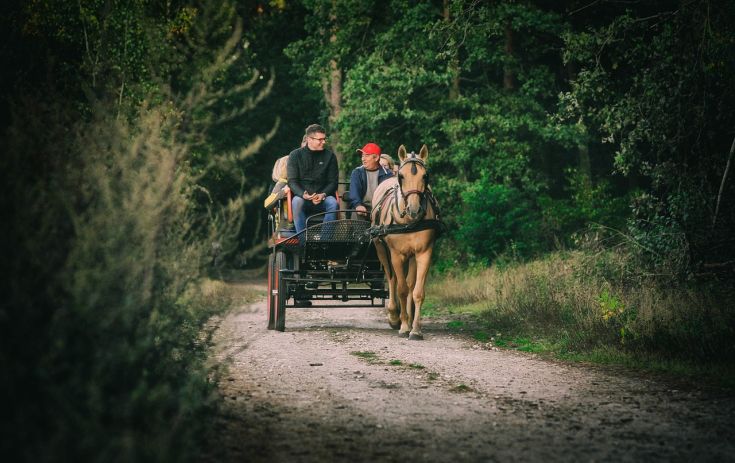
column 365, row 179
column 313, row 178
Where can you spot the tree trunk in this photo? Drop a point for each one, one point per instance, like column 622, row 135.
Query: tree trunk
column 333, row 95
column 722, row 183
column 583, row 148
column 585, row 165
column 333, row 91
column 332, row 87
column 509, row 76
column 453, row 95
column 453, row 62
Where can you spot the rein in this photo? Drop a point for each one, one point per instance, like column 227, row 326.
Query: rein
column 419, row 225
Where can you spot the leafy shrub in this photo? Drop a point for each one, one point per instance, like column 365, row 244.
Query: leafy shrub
column 587, row 204
column 497, row 220
column 668, row 236
column 105, row 334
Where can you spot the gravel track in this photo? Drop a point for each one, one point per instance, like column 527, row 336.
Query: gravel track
column 340, row 385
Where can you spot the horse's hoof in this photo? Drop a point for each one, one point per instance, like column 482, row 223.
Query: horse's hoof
column 395, row 326
column 415, row 337
column 403, row 335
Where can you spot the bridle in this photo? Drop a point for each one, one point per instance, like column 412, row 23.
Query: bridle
column 414, row 160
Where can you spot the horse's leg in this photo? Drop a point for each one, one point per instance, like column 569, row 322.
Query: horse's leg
column 423, row 261
column 396, row 313
column 411, row 281
column 399, row 274
column 393, row 309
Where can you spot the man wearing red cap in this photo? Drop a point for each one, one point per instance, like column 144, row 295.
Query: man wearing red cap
column 366, row 178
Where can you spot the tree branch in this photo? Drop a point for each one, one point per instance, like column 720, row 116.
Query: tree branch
column 722, row 183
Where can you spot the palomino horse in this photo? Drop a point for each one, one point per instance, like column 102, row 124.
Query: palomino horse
column 404, row 226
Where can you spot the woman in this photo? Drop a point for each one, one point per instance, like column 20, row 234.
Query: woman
column 387, row 162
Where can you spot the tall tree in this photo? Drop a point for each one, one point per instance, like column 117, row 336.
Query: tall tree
column 656, row 83
column 338, row 32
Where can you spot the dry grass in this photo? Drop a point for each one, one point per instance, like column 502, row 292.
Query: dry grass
column 583, row 301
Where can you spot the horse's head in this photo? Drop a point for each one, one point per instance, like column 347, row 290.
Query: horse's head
column 413, row 181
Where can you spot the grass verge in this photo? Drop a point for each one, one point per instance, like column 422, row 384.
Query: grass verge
column 577, row 306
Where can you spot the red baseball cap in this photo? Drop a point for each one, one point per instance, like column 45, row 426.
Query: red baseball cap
column 370, row 148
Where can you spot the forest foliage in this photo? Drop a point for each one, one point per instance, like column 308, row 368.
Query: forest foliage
column 550, row 116
column 139, row 136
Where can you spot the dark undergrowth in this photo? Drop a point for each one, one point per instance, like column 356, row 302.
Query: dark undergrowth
column 107, row 314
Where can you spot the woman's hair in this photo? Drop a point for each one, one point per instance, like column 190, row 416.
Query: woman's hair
column 387, row 157
column 280, row 169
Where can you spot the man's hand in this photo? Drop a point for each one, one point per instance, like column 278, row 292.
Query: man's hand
column 317, row 198
column 362, row 210
column 308, row 196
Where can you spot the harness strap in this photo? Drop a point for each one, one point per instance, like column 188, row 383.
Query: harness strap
column 381, row 229
column 378, row 211
column 378, row 231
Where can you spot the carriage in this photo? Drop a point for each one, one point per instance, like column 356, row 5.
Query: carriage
column 328, row 261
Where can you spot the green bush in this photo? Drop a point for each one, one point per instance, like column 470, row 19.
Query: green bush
column 105, row 328
column 660, row 238
column 587, row 204
column 497, row 220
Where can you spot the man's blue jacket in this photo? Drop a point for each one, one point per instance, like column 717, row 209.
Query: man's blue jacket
column 358, row 183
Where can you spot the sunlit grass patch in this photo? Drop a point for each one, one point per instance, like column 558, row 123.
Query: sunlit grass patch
column 481, row 336
column 435, row 307
column 539, row 345
column 455, row 325
column 429, row 309
column 461, row 388
column 416, row 366
column 368, row 356
column 395, row 362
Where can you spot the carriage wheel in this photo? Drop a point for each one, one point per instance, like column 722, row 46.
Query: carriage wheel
column 281, row 292
column 271, row 305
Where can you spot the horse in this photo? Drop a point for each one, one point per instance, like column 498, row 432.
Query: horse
column 405, row 219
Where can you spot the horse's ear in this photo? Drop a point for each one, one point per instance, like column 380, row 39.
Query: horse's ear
column 401, row 153
column 424, row 153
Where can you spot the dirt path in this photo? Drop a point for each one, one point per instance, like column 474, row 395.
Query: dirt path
column 339, row 385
